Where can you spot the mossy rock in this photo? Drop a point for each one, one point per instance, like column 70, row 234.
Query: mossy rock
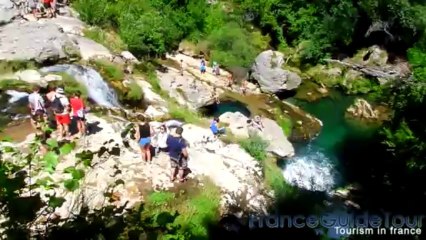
column 71, row 51
column 372, row 56
column 13, row 84
column 330, row 77
column 14, row 66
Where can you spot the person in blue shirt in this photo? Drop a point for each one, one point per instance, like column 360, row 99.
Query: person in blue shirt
column 214, row 127
column 178, row 154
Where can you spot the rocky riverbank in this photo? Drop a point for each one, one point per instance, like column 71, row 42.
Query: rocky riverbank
column 238, row 175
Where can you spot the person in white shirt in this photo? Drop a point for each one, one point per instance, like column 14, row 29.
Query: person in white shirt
column 161, row 138
column 36, row 106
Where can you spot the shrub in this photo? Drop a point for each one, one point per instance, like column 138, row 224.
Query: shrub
column 13, row 66
column 187, row 212
column 182, row 113
column 135, row 92
column 149, row 33
column 256, row 147
column 230, row 45
column 107, row 38
column 359, row 86
column 13, row 84
column 286, row 125
column 95, row 12
column 275, row 180
column 108, row 70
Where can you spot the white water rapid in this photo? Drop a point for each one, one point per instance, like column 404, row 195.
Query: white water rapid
column 98, row 89
column 311, row 169
column 16, row 95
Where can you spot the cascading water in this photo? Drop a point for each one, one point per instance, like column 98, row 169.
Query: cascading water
column 99, row 91
column 311, row 169
column 316, row 164
column 16, row 95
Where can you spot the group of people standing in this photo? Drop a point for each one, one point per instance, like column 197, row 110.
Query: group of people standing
column 57, row 108
column 44, row 8
column 173, row 144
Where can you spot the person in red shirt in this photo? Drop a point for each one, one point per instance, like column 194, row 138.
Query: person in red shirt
column 49, row 6
column 77, row 107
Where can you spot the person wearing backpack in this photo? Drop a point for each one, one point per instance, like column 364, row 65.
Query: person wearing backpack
column 61, row 106
column 178, row 154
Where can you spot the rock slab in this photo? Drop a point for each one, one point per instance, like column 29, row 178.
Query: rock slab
column 35, row 41
column 267, row 71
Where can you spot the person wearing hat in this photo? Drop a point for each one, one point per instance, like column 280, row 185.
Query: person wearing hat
column 60, row 106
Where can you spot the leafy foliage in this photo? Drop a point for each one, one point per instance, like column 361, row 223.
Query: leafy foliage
column 231, row 46
column 107, row 38
column 256, row 147
column 181, row 215
column 135, row 93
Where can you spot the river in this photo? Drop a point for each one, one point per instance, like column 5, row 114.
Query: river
column 318, row 164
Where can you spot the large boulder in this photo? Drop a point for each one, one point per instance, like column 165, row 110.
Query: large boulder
column 35, row 41
column 157, row 106
column 268, row 72
column 272, row 132
column 69, row 25
column 372, row 56
column 278, row 142
column 363, row 110
column 237, row 123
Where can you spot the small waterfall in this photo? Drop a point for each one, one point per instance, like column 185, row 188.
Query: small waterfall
column 98, row 89
column 312, row 170
column 16, row 95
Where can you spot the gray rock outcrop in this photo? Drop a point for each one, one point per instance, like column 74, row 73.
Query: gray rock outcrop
column 187, row 89
column 7, row 11
column 267, row 71
column 35, row 41
column 90, row 49
column 157, row 106
column 228, row 166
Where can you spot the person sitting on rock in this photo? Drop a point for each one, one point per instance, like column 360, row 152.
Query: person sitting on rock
column 256, row 123
column 178, row 153
column 215, row 96
column 143, row 136
column 244, row 87
column 230, row 81
column 215, row 128
column 161, row 138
